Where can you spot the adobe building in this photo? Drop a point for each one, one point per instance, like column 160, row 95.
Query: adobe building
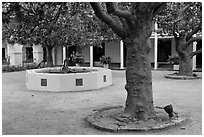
column 162, row 48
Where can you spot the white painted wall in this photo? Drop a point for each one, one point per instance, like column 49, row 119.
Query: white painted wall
column 112, row 49
column 16, row 54
column 58, row 56
column 37, row 53
column 86, row 53
column 67, row 82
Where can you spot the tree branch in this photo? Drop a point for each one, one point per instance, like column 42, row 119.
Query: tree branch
column 193, row 40
column 124, row 23
column 196, row 52
column 194, row 31
column 158, row 7
column 111, row 8
column 57, row 15
column 107, row 19
column 174, row 31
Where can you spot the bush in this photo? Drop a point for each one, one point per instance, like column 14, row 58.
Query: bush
column 105, row 60
column 12, row 68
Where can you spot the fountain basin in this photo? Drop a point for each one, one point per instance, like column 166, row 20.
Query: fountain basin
column 45, row 80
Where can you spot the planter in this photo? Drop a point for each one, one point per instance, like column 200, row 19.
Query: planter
column 78, row 65
column 176, row 67
column 106, row 66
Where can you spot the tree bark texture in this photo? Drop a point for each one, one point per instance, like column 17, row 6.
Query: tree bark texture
column 49, row 57
column 185, row 59
column 139, row 102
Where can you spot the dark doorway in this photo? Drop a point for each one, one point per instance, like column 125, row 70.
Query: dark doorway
column 44, row 54
column 164, row 49
column 3, row 54
column 70, row 51
column 98, row 52
column 199, row 56
column 29, row 54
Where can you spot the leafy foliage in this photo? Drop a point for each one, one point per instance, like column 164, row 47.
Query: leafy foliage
column 105, row 60
column 52, row 23
column 185, row 15
column 12, row 68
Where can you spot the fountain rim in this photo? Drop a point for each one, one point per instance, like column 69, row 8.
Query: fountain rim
column 96, row 69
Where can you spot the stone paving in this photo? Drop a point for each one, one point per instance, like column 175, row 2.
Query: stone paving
column 32, row 112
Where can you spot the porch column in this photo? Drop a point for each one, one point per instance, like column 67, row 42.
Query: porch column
column 53, row 55
column 91, row 56
column 194, row 57
column 121, row 55
column 37, row 53
column 64, row 54
column 15, row 54
column 155, row 46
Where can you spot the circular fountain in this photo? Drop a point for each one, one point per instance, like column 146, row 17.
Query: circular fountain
column 55, row 79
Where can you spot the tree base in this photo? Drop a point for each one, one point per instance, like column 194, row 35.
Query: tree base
column 183, row 77
column 110, row 119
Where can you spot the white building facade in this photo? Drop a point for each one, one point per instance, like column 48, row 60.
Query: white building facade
column 162, row 48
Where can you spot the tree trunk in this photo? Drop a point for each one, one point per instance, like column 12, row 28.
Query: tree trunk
column 185, row 60
column 185, row 65
column 49, row 57
column 139, row 102
column 135, row 31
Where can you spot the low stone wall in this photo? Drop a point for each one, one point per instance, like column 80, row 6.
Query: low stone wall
column 42, row 80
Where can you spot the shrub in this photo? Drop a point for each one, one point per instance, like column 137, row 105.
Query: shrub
column 9, row 68
column 105, row 60
column 12, row 68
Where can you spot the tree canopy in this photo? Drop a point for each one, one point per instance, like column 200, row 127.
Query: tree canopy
column 181, row 17
column 52, row 24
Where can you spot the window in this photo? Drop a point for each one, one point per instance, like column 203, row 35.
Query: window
column 79, row 82
column 29, row 54
column 164, row 49
column 98, row 52
column 44, row 54
column 43, row 82
column 104, row 78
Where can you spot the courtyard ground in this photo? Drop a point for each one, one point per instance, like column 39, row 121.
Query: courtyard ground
column 34, row 112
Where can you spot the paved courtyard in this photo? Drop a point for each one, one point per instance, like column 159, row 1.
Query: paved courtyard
column 35, row 112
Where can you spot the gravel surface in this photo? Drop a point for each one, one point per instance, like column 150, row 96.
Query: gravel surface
column 33, row 112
